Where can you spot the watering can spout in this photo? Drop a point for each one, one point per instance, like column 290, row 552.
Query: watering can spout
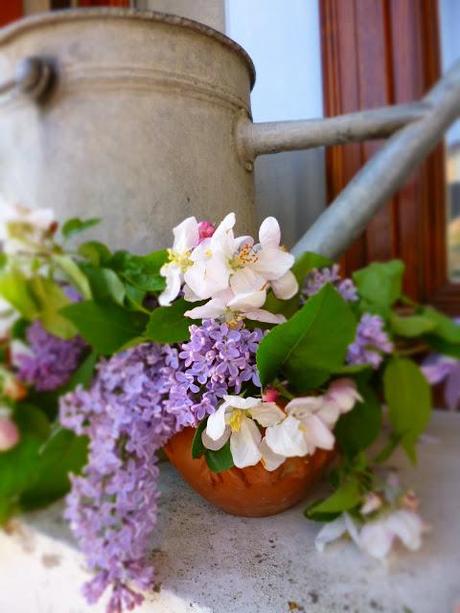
column 256, row 139
column 415, row 129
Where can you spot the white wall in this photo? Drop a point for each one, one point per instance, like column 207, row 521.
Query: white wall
column 283, row 39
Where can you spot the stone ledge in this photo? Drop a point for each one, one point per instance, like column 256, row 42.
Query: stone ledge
column 209, row 562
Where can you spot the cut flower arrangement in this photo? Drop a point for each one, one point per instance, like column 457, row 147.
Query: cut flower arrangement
column 254, row 371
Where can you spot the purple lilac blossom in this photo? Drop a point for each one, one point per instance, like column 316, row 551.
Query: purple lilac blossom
column 51, row 360
column 440, row 368
column 72, row 294
column 318, row 278
column 138, row 400
column 371, row 342
column 218, row 360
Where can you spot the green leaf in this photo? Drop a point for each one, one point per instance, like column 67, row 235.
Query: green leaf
column 135, row 297
column 311, row 345
column 142, row 271
column 14, row 288
column 221, row 460
column 284, row 307
column 442, row 346
column 168, row 324
column 105, row 326
column 380, row 284
column 63, row 453
column 105, row 284
column 306, row 262
column 408, row 396
column 18, row 465
column 19, row 329
column 443, row 327
column 75, row 226
column 95, row 252
column 198, row 449
column 360, row 427
column 412, row 326
column 51, row 299
column 73, row 273
column 8, row 508
column 346, row 497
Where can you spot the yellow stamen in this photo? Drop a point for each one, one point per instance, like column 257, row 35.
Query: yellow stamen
column 246, row 255
column 180, row 259
column 235, row 420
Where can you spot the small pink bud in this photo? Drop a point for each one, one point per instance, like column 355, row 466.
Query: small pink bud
column 9, row 434
column 270, row 395
column 372, row 502
column 410, row 501
column 205, row 229
column 343, row 393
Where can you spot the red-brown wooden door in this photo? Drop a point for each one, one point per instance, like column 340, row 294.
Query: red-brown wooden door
column 378, row 52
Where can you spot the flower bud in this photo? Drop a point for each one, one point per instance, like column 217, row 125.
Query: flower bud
column 372, row 502
column 206, row 229
column 9, row 434
column 343, row 393
column 270, row 395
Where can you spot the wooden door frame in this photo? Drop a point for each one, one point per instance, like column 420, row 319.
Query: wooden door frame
column 378, row 52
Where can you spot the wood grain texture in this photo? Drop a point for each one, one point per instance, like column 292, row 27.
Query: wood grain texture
column 387, row 52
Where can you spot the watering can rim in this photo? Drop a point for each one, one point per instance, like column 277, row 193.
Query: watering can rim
column 85, row 14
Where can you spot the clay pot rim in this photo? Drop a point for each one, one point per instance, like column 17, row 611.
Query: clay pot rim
column 32, row 22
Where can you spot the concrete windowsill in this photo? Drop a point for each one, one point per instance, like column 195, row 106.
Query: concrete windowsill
column 210, row 562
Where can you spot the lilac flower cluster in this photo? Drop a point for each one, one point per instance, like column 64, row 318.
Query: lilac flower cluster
column 112, row 506
column 51, row 360
column 216, row 361
column 442, row 368
column 370, row 343
column 318, row 278
column 139, row 399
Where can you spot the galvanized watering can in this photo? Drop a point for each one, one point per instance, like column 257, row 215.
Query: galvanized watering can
column 144, row 118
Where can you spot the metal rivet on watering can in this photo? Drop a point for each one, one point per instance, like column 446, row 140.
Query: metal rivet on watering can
column 31, row 77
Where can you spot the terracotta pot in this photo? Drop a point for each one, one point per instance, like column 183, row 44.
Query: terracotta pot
column 252, row 491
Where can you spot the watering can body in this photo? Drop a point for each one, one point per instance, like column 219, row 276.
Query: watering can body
column 144, row 118
column 137, row 125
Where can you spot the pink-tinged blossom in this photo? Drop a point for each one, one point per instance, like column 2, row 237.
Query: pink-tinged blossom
column 49, row 361
column 377, row 536
column 308, row 421
column 371, row 342
column 385, row 517
column 9, row 434
column 318, row 278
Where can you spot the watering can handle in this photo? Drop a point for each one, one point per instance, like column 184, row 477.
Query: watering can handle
column 415, row 128
column 32, row 77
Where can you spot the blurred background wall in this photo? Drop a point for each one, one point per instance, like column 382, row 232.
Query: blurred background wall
column 283, row 40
